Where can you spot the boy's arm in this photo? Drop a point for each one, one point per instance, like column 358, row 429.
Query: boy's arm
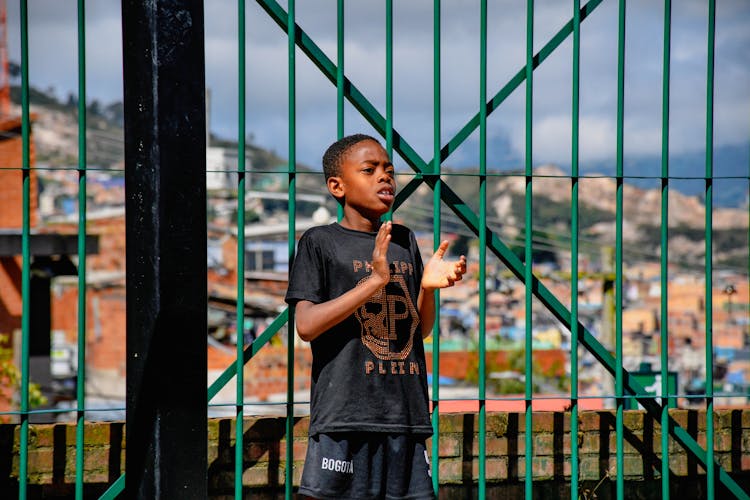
column 426, row 308
column 314, row 319
column 438, row 273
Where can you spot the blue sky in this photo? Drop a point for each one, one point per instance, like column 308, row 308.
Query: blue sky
column 53, row 65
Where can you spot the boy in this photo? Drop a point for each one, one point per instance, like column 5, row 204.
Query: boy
column 364, row 302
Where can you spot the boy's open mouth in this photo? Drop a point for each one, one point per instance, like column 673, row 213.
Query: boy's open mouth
column 386, row 194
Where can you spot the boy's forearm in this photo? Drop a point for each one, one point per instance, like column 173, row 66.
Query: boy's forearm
column 426, row 308
column 314, row 319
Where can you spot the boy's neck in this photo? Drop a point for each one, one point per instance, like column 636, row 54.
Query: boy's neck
column 359, row 222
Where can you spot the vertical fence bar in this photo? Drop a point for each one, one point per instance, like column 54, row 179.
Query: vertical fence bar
column 25, row 253
column 340, row 69
column 437, row 221
column 340, row 82
column 82, row 160
column 482, row 365
column 239, row 443
column 389, row 77
column 292, row 209
column 389, row 85
column 619, row 393
column 528, row 254
column 710, row 479
column 574, row 253
column 664, row 273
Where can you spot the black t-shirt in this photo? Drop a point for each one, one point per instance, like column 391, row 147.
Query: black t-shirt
column 369, row 371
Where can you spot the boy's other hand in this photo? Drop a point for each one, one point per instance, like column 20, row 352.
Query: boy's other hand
column 439, row 273
column 380, row 269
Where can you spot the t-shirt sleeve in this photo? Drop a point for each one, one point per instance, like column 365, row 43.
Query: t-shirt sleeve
column 307, row 276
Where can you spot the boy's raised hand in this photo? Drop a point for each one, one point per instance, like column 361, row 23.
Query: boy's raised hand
column 439, row 273
column 380, row 269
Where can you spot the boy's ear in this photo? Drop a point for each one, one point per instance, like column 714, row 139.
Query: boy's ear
column 335, row 187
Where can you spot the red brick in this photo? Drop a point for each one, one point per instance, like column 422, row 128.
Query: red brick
column 451, row 446
column 521, row 444
column 633, row 419
column 590, row 468
column 299, row 448
column 45, row 478
column 302, row 427
column 99, row 433
column 213, row 428
column 589, row 421
column 260, row 452
column 451, row 471
column 543, row 468
column 451, row 423
column 632, row 466
column 724, row 460
column 40, row 460
column 657, row 443
column 497, row 468
column 675, row 447
column 680, row 416
column 543, row 444
column 543, row 421
column 96, row 459
column 627, row 447
column 678, row 464
column 723, row 439
column 723, row 418
column 99, row 476
column 213, row 453
column 497, row 447
column 497, row 423
column 746, row 418
column 701, row 439
column 256, row 475
column 591, row 442
column 41, row 435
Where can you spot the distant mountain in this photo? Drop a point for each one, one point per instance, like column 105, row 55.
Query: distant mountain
column 56, row 129
column 731, row 168
column 56, row 133
column 552, row 216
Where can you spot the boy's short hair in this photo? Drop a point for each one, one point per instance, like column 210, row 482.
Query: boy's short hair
column 336, row 151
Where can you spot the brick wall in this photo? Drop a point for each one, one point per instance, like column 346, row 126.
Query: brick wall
column 11, row 176
column 52, row 455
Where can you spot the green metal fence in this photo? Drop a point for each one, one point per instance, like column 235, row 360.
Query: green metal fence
column 446, row 205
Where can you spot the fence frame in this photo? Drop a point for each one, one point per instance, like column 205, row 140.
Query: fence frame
column 159, row 171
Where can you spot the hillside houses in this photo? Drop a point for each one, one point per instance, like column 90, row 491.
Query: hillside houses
column 266, row 258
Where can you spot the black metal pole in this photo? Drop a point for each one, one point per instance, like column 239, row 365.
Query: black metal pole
column 165, row 186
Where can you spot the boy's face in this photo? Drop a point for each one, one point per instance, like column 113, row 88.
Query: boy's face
column 366, row 180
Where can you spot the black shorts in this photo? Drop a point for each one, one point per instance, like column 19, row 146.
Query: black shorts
column 366, row 465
